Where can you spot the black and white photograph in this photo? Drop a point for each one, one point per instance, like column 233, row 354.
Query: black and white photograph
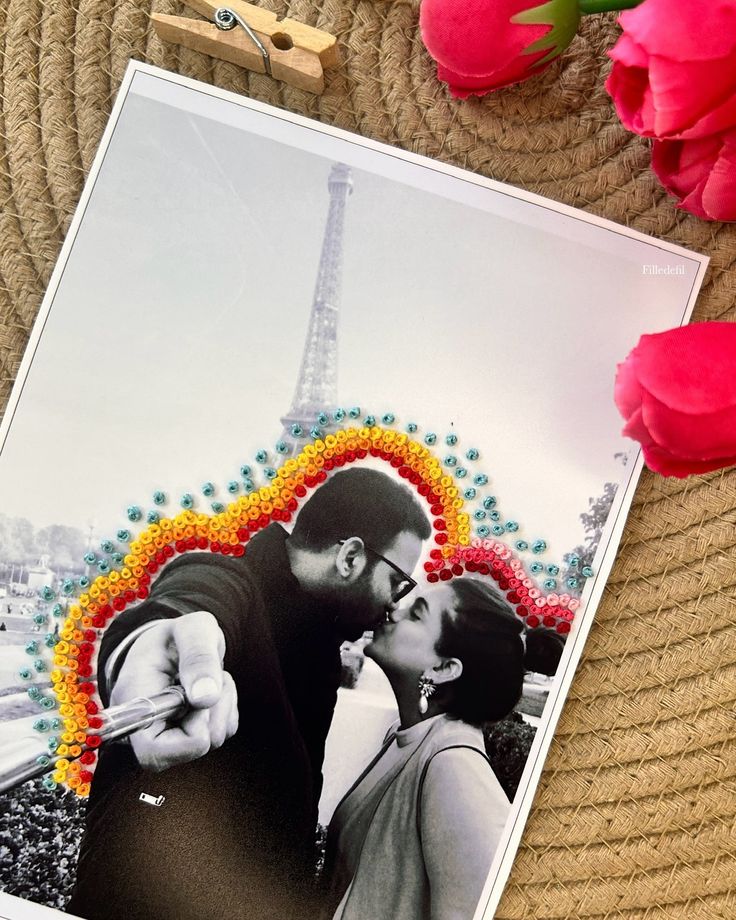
column 310, row 484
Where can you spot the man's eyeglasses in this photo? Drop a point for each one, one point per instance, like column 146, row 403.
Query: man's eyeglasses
column 407, row 583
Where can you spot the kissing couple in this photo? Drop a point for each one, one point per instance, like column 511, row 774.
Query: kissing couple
column 255, row 642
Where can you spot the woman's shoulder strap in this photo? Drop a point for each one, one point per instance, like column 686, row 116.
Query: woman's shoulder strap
column 425, row 768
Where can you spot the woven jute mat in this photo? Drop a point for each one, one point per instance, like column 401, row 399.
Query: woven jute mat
column 636, row 811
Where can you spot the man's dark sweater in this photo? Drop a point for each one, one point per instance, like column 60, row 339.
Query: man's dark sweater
column 234, row 837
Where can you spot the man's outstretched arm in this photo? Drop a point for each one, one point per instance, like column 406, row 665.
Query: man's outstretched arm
column 179, row 635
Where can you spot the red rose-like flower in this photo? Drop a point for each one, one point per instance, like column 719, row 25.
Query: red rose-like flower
column 481, row 45
column 701, row 173
column 677, row 392
column 674, row 71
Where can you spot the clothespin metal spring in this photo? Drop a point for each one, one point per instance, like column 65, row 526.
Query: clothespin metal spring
column 226, row 19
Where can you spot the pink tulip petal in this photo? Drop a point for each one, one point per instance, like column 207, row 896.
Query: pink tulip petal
column 691, row 369
column 627, row 391
column 690, row 98
column 628, row 52
column 684, row 172
column 629, row 88
column 719, row 195
column 628, row 83
column 683, row 165
column 698, row 30
column 693, row 203
column 477, row 37
column 659, row 461
column 700, row 172
column 462, row 85
column 691, row 436
column 637, row 430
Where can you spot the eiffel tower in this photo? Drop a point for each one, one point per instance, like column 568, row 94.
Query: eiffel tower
column 316, row 386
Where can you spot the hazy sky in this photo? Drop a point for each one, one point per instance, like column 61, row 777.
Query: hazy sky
column 175, row 336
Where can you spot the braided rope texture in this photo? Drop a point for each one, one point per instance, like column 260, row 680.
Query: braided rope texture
column 635, row 816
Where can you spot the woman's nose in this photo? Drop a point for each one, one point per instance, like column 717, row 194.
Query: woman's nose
column 395, row 614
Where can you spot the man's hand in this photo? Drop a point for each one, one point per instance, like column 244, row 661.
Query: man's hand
column 188, row 650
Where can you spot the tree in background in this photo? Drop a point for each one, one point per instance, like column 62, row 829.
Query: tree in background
column 65, row 546
column 20, row 545
column 16, row 539
column 594, row 521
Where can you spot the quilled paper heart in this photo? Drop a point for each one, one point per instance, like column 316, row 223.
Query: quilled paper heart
column 469, row 535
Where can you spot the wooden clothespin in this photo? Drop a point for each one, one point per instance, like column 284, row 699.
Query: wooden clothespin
column 252, row 37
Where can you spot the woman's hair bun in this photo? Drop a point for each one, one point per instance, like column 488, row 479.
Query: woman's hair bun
column 543, row 650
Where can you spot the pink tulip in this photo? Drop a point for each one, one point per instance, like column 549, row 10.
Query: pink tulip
column 677, row 392
column 483, row 45
column 477, row 45
column 674, row 70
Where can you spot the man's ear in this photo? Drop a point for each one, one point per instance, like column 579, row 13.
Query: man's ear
column 351, row 558
column 446, row 670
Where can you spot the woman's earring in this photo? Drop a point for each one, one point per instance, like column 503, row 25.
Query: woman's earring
column 426, row 689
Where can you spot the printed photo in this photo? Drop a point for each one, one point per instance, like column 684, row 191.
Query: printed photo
column 310, row 484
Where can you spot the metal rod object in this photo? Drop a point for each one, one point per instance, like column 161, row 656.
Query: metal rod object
column 226, row 19
column 119, row 722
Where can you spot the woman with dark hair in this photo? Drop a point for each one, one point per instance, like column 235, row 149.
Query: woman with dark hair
column 415, row 836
